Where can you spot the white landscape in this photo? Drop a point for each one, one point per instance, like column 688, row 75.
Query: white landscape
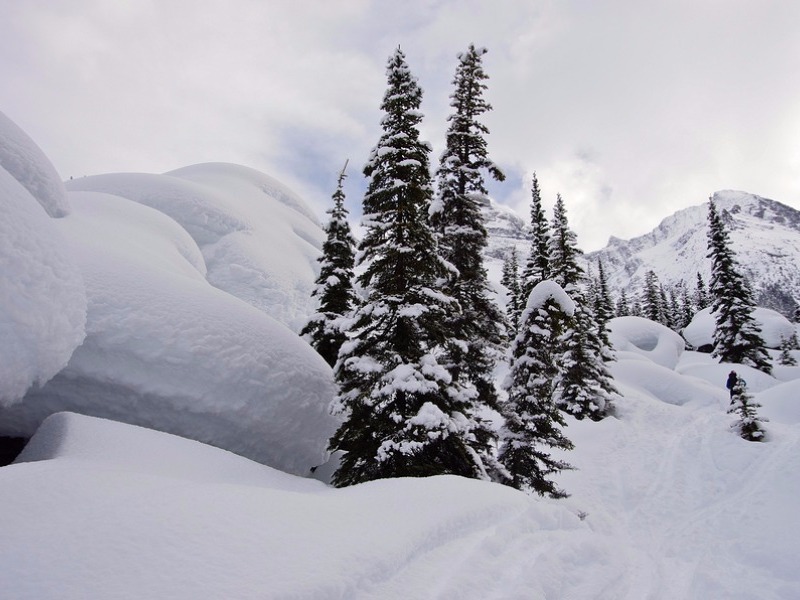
column 138, row 308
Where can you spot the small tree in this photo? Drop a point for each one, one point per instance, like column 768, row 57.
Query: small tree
column 652, row 304
column 786, row 357
column 510, row 280
column 538, row 267
column 533, row 421
column 749, row 424
column 334, row 288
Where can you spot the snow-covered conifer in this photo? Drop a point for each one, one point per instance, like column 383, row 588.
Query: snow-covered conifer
column 749, row 424
column 476, row 333
column 510, row 280
column 404, row 415
column 334, row 288
column 652, row 305
column 603, row 304
column 701, row 299
column 533, row 421
column 737, row 338
column 537, row 267
column 623, row 305
column 564, row 252
column 788, row 344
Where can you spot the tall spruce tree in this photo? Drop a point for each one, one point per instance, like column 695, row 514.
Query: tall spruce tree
column 701, row 300
column 537, row 268
column 564, row 251
column 737, row 338
column 533, row 421
column 334, row 286
column 652, row 305
column 404, row 415
column 477, row 335
column 603, row 303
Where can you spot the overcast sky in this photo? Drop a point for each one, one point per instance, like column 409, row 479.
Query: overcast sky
column 631, row 109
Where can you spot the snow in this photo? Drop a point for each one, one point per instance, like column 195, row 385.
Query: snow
column 42, row 297
column 167, row 350
column 25, row 162
column 260, row 242
column 550, row 290
column 646, row 338
column 773, row 325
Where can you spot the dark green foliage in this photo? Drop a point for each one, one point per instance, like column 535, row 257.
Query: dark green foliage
column 403, row 413
column 788, row 344
column 652, row 305
column 737, row 338
column 537, row 268
column 476, row 331
column 337, row 297
column 564, row 252
column 510, row 280
column 701, row 299
column 533, row 420
column 749, row 424
column 603, row 304
column 623, row 305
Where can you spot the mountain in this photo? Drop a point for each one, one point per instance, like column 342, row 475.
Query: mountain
column 764, row 233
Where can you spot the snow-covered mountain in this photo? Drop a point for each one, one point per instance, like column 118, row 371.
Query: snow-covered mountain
column 764, row 234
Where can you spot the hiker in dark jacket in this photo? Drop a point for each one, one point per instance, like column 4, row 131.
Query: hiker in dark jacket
column 731, row 383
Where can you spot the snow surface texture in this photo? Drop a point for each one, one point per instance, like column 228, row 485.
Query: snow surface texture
column 646, row 338
column 666, row 503
column 42, row 297
column 259, row 240
column 25, row 161
column 773, row 326
column 167, row 350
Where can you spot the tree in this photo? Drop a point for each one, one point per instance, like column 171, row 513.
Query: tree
column 476, row 332
column 749, row 424
column 652, row 304
column 533, row 421
column 537, row 267
column 403, row 413
column 603, row 305
column 736, row 335
column 788, row 344
column 510, row 280
column 701, row 299
column 623, row 306
column 334, row 288
column 564, row 252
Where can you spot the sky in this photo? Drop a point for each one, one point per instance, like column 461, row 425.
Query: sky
column 630, row 110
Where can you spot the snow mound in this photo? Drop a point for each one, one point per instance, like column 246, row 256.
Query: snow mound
column 166, row 350
column 549, row 290
column 773, row 325
column 25, row 161
column 231, row 211
column 42, row 297
column 781, row 403
column 646, row 338
column 717, row 374
column 664, row 384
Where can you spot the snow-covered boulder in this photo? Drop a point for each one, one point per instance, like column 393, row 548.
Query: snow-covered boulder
column 42, row 298
column 259, row 240
column 167, row 350
column 773, row 325
column 25, row 161
column 646, row 338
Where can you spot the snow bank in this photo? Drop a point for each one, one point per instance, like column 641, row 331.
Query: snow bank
column 260, row 241
column 25, row 161
column 781, row 403
column 167, row 350
column 664, row 384
column 42, row 298
column 700, row 332
column 646, row 338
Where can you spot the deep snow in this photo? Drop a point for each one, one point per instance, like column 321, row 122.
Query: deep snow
column 666, row 502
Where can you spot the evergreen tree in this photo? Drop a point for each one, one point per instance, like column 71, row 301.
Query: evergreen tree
column 510, row 280
column 786, row 357
column 476, row 332
column 749, row 424
column 603, row 304
column 403, row 413
column 686, row 309
column 537, row 268
column 533, row 421
column 701, row 299
column 564, row 252
column 585, row 388
column 651, row 298
column 736, row 336
column 334, row 288
column 623, row 305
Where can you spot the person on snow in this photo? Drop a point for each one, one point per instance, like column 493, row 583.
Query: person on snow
column 731, row 383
